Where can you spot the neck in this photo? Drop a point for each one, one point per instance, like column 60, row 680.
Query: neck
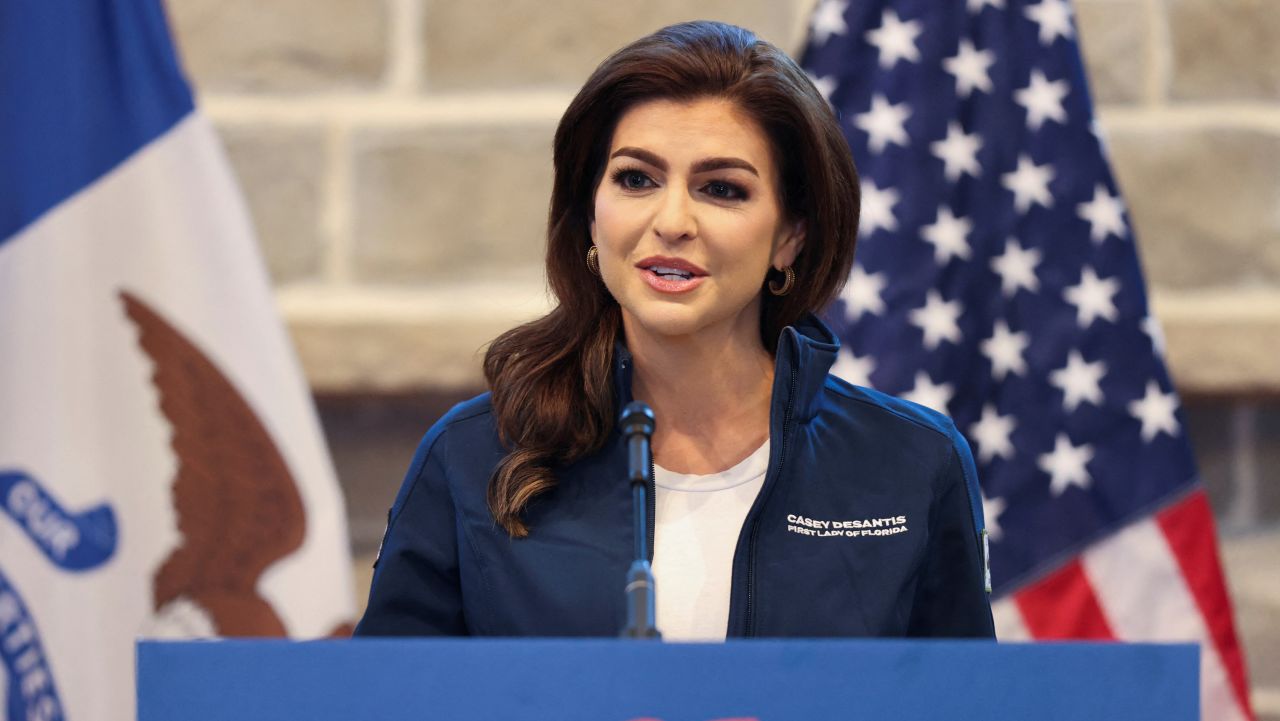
column 710, row 394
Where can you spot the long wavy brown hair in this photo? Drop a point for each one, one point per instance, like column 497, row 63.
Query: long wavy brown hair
column 552, row 379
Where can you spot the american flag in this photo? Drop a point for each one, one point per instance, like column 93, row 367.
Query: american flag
column 997, row 280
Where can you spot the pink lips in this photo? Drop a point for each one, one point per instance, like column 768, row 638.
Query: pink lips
column 670, row 275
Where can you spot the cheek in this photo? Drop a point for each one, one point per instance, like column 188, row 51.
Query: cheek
column 760, row 240
column 613, row 226
column 610, row 237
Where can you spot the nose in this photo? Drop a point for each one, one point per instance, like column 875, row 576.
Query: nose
column 675, row 220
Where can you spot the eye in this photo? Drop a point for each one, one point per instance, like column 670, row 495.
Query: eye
column 724, row 190
column 631, row 179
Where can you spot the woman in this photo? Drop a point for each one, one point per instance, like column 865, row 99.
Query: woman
column 705, row 206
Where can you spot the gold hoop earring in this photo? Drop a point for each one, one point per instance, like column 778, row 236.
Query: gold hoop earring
column 787, row 282
column 593, row 260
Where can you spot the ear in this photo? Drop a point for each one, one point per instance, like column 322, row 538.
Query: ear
column 790, row 243
column 592, row 229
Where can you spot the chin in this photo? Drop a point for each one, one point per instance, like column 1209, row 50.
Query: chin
column 671, row 322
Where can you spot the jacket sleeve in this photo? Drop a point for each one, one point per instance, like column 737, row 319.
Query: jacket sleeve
column 416, row 589
column 951, row 594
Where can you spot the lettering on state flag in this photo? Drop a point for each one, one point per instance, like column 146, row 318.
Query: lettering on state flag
column 71, row 541
column 32, row 694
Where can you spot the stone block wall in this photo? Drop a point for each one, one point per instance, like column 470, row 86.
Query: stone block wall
column 395, row 153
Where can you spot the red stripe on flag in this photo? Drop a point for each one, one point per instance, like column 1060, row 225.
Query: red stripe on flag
column 1062, row 605
column 1188, row 527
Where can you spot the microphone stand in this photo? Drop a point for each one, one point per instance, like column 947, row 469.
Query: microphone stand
column 636, row 422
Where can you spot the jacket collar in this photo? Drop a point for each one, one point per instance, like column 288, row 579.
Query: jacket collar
column 808, row 347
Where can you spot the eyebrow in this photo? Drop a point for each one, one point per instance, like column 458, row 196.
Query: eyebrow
column 702, row 166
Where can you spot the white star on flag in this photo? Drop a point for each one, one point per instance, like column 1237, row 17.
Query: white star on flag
column 1079, row 381
column 884, row 123
column 1066, row 465
column 1053, row 17
column 828, row 20
column 861, row 293
column 1093, row 297
column 991, row 510
column 928, row 394
column 1155, row 332
column 1017, row 268
column 877, row 209
column 1156, row 412
column 1105, row 214
column 992, row 433
column 937, row 319
column 1004, row 349
column 969, row 66
column 895, row 39
column 855, row 369
column 825, row 85
column 947, row 236
column 1043, row 100
column 1029, row 184
column 958, row 152
column 975, row 6
column 1096, row 129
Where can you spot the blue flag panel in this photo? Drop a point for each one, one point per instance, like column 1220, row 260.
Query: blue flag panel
column 80, row 91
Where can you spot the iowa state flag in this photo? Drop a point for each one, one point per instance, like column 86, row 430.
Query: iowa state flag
column 997, row 280
column 162, row 472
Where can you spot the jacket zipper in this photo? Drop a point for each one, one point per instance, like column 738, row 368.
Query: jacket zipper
column 755, row 522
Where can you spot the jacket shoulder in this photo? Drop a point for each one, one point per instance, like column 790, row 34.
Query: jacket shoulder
column 893, row 410
column 471, row 408
column 472, row 416
column 468, row 416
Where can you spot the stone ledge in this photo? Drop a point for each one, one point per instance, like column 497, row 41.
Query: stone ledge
column 1259, row 116
column 521, row 107
column 397, row 340
column 1222, row 342
column 390, row 340
column 383, row 109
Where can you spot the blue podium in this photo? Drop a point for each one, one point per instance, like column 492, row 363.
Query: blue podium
column 613, row 680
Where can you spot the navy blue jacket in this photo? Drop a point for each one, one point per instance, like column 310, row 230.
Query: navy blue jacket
column 867, row 525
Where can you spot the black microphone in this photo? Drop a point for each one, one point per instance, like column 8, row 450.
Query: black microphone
column 636, row 423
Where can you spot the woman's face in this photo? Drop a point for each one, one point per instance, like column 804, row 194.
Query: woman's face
column 688, row 219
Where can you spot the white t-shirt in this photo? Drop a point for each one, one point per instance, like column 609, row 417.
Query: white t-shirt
column 697, row 520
